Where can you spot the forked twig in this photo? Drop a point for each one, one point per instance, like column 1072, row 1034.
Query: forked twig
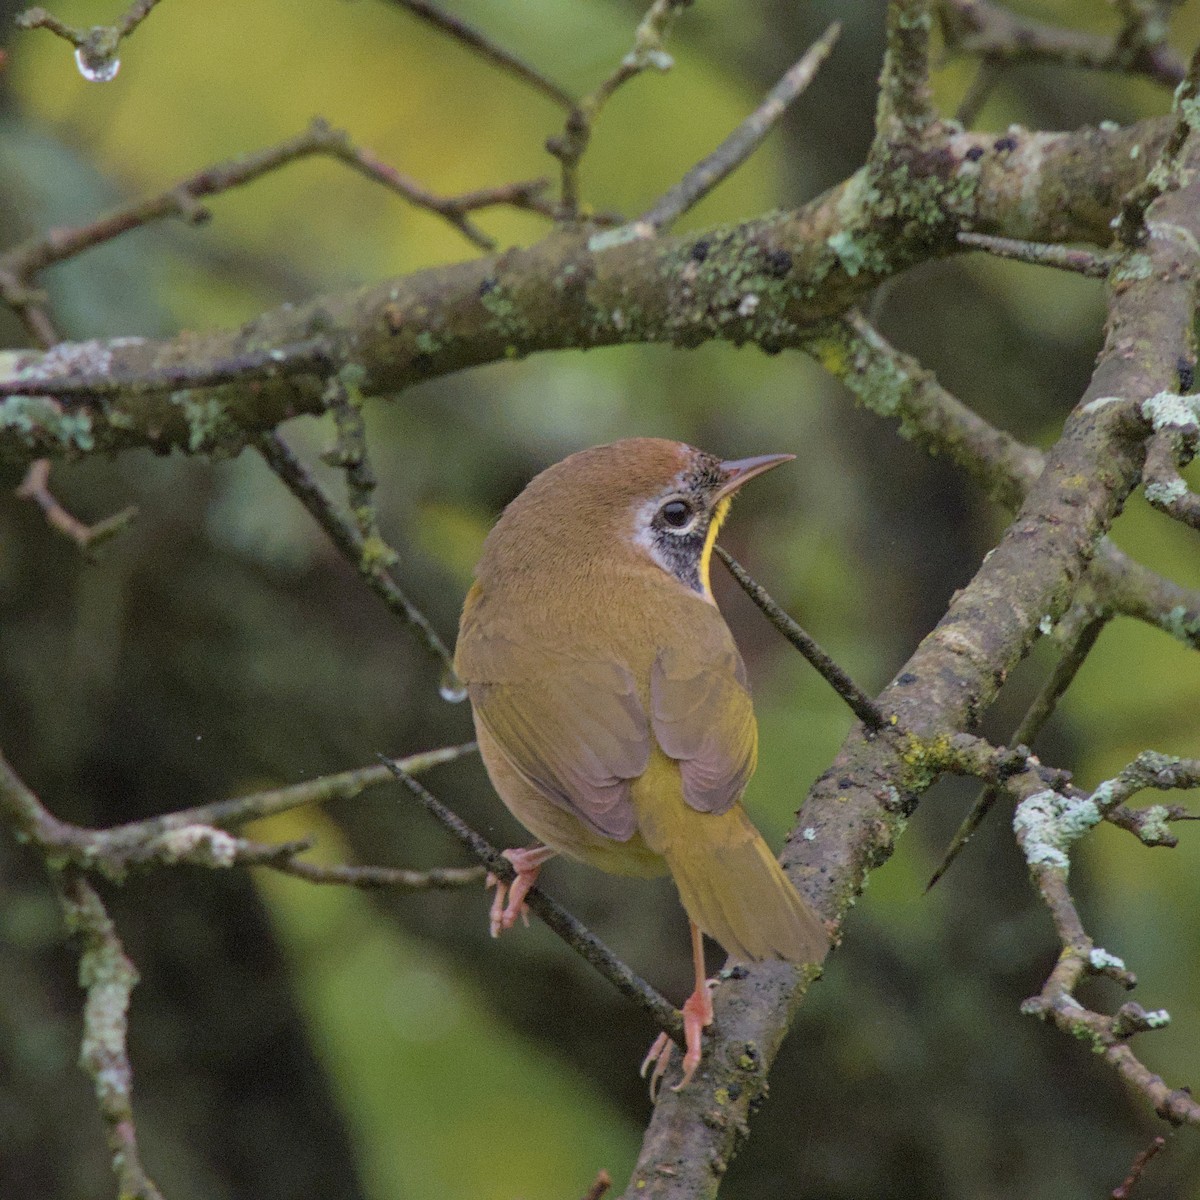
column 36, row 487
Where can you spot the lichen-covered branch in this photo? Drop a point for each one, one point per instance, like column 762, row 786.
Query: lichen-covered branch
column 905, row 108
column 1047, row 823
column 1078, row 646
column 108, row 977
column 767, row 282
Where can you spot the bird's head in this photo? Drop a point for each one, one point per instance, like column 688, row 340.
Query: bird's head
column 658, row 499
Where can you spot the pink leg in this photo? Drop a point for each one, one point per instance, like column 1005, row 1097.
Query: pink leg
column 697, row 1016
column 509, row 902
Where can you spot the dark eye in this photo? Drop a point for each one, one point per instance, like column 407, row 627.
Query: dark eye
column 676, row 513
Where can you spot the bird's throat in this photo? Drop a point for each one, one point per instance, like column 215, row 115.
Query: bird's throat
column 714, row 527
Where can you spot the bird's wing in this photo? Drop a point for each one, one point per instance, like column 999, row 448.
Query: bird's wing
column 702, row 715
column 573, row 728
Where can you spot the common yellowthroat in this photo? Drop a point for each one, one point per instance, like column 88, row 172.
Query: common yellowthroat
column 611, row 703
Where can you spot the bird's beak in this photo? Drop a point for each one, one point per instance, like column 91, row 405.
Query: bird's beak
column 735, row 471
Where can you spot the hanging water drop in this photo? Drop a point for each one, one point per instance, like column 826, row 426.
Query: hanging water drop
column 96, row 68
column 451, row 688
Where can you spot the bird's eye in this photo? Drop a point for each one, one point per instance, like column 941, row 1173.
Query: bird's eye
column 676, row 513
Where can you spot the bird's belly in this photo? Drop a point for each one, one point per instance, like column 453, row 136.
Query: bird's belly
column 560, row 829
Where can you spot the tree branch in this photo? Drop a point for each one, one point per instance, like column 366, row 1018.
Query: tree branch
column 573, row 290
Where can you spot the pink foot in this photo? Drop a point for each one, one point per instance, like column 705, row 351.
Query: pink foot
column 697, row 1016
column 509, row 902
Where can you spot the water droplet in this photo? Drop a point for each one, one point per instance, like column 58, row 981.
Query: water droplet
column 102, row 69
column 451, row 688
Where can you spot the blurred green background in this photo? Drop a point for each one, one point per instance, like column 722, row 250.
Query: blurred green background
column 297, row 1041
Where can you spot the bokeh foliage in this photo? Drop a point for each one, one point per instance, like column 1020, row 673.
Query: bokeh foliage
column 384, row 1046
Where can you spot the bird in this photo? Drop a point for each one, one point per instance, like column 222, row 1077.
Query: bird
column 611, row 705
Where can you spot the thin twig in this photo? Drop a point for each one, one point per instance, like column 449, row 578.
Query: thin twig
column 863, row 707
column 1047, row 823
column 1167, row 451
column 374, row 878
column 648, row 53
column 1001, row 36
column 1125, row 1190
column 228, row 814
column 1038, row 713
column 36, row 487
column 96, row 48
column 1081, row 262
column 577, row 936
column 482, row 45
column 22, row 263
column 979, row 91
column 600, row 1185
column 372, row 560
column 744, row 140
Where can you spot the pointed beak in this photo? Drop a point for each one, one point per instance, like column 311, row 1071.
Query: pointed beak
column 735, row 471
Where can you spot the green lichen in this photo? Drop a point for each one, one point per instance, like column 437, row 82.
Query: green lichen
column 1181, row 623
column 1132, row 268
column 1153, row 829
column 924, row 760
column 210, row 427
column 37, row 420
column 353, row 378
column 851, row 251
column 1169, row 410
column 507, row 320
column 376, row 553
column 1163, row 495
column 1047, row 823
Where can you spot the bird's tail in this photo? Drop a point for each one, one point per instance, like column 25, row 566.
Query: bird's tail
column 730, row 883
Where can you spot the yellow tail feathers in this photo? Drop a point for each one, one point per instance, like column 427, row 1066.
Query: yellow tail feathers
column 730, row 883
